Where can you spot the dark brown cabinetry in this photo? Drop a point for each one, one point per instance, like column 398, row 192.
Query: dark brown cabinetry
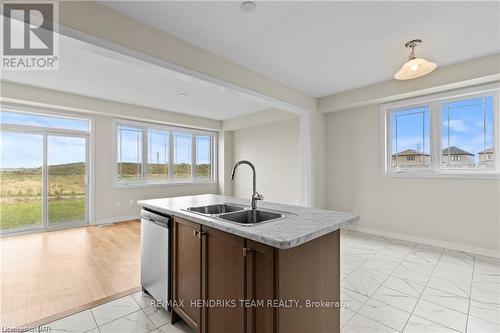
column 260, row 287
column 186, row 272
column 216, row 270
column 223, row 281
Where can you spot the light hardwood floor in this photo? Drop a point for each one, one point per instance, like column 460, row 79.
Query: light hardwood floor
column 46, row 276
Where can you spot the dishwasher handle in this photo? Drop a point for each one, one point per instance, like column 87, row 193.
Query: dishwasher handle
column 156, row 218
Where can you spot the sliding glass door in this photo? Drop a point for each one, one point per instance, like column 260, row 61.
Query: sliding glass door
column 66, row 180
column 21, row 181
column 43, row 181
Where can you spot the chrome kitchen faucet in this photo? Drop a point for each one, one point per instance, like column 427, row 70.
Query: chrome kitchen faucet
column 255, row 195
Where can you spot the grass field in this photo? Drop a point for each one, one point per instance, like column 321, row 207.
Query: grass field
column 26, row 214
column 21, row 191
column 21, row 201
column 129, row 171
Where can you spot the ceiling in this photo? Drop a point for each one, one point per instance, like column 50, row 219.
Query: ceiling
column 89, row 70
column 322, row 48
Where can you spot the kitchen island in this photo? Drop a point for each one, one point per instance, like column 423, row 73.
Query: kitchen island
column 281, row 275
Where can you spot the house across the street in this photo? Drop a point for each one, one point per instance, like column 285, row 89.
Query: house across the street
column 486, row 158
column 454, row 157
column 410, row 158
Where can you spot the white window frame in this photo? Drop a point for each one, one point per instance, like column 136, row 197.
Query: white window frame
column 434, row 102
column 143, row 182
column 89, row 136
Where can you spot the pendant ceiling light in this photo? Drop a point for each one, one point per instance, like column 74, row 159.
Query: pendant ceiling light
column 414, row 67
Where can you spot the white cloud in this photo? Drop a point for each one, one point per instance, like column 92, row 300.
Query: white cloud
column 457, row 125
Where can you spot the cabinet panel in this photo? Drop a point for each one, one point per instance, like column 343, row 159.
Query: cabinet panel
column 309, row 271
column 214, row 266
column 260, row 287
column 187, row 271
column 223, row 267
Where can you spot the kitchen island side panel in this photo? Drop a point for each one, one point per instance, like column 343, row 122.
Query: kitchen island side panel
column 310, row 271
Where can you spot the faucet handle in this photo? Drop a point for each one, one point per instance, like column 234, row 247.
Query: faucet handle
column 258, row 196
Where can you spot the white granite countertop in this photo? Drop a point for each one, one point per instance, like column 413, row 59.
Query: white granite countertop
column 306, row 223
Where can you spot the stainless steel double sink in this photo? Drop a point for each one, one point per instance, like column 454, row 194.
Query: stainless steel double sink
column 239, row 214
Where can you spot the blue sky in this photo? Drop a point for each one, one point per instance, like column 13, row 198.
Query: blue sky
column 158, row 146
column 129, row 144
column 411, row 130
column 467, row 128
column 463, row 126
column 182, row 148
column 202, row 149
column 21, row 150
column 25, row 150
column 44, row 121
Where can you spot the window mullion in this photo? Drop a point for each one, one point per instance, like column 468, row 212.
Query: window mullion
column 213, row 163
column 496, row 134
column 388, row 141
column 397, row 148
column 423, row 136
column 167, row 153
column 170, row 155
column 145, row 150
column 119, row 159
column 193, row 156
column 435, row 136
column 484, row 124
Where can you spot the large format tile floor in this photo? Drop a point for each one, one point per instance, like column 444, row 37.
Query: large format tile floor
column 391, row 285
column 129, row 314
column 398, row 286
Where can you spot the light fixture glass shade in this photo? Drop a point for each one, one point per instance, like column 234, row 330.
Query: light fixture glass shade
column 414, row 68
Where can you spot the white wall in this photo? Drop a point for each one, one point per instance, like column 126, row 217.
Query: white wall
column 225, row 162
column 257, row 119
column 317, row 159
column 274, row 149
column 52, row 99
column 460, row 211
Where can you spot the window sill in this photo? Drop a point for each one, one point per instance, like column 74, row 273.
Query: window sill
column 117, row 185
column 444, row 174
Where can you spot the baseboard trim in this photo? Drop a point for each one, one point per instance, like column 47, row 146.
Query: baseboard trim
column 427, row 241
column 116, row 219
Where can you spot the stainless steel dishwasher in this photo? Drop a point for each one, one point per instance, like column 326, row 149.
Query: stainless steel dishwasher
column 155, row 256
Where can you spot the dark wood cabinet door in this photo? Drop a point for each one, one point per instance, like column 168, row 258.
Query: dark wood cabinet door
column 260, row 287
column 187, row 271
column 223, row 268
